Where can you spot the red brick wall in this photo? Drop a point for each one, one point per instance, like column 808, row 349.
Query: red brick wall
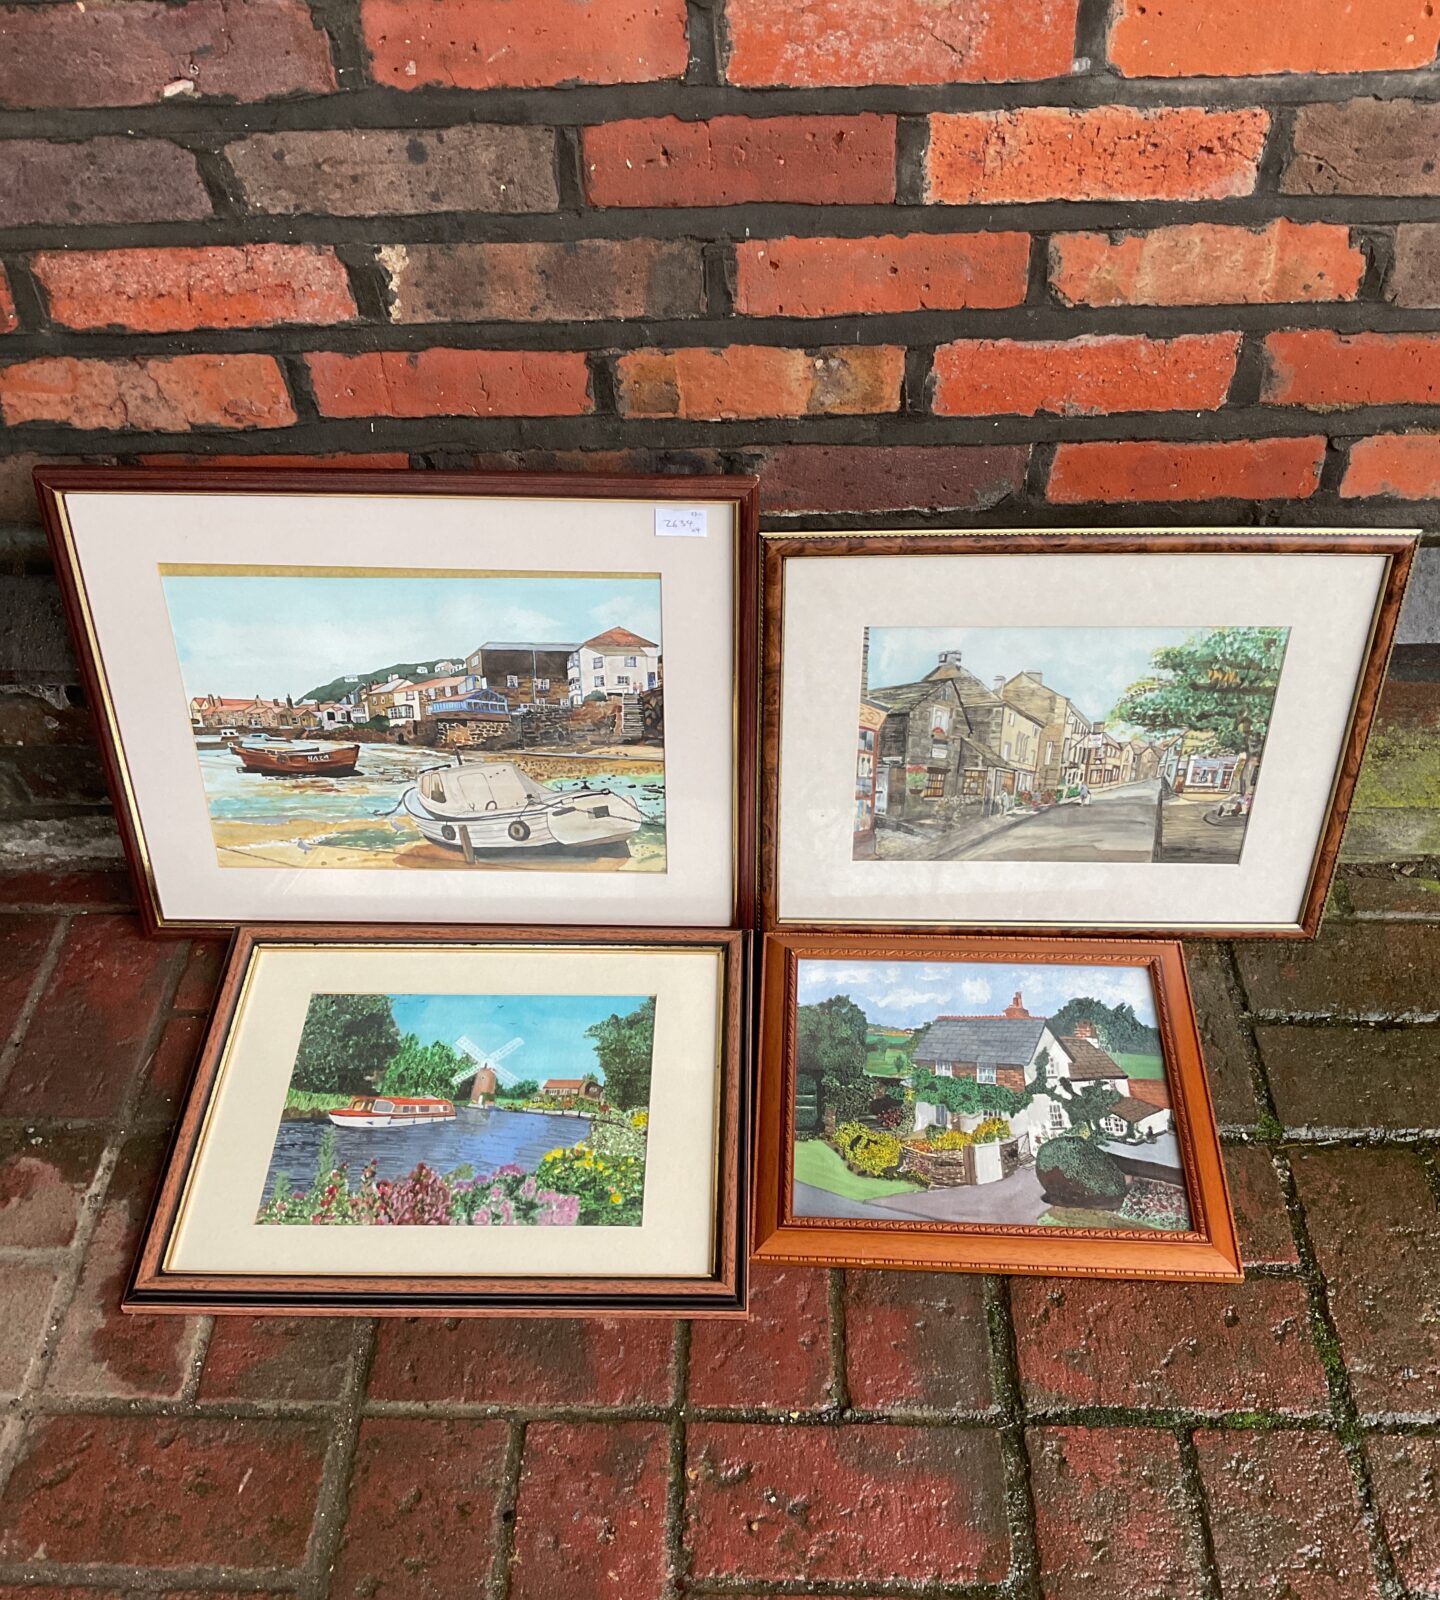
column 1028, row 260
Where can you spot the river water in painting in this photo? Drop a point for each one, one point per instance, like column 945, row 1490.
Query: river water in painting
column 478, row 1138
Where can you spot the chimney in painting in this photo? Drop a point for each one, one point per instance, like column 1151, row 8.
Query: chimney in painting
column 1084, row 1030
column 949, row 658
column 998, row 684
column 1016, row 1008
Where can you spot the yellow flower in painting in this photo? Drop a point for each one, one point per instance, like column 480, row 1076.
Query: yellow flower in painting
column 614, row 1198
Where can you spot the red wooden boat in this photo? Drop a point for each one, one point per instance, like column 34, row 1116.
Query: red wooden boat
column 280, row 758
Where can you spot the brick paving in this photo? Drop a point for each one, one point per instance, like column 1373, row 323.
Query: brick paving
column 864, row 1434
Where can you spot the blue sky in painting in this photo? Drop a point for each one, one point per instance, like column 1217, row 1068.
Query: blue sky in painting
column 276, row 636
column 905, row 994
column 552, row 1026
column 1093, row 666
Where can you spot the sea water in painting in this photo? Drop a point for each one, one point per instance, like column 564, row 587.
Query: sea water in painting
column 977, row 1092
column 465, row 1110
column 1062, row 744
column 459, row 721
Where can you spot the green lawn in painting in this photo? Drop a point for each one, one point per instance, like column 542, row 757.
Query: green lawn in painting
column 1140, row 1066
column 817, row 1164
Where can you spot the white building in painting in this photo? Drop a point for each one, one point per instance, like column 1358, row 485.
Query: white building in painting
column 616, row 662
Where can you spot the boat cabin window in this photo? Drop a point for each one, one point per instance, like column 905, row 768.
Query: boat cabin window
column 384, row 1105
column 432, row 786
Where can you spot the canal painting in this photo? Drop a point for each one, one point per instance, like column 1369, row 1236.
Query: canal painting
column 1062, row 744
column 983, row 1093
column 456, row 722
column 465, row 1110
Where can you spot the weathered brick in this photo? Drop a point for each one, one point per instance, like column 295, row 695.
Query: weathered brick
column 1372, row 1219
column 491, row 44
column 1227, row 1055
column 1103, row 153
column 1353, row 1077
column 1365, row 147
column 96, row 889
column 363, row 172
column 200, row 976
column 163, row 394
column 1094, row 375
column 729, row 161
column 100, row 180
column 1165, row 469
column 1231, row 38
column 171, row 1064
column 916, row 1339
column 1329, row 371
column 27, row 941
column 1167, row 1344
column 584, row 280
column 82, row 1049
column 8, row 320
column 44, row 1174
column 276, row 461
column 102, row 1351
column 1111, row 1515
column 144, row 51
column 1206, row 263
column 26, row 1290
column 753, row 380
column 1258, row 1203
column 874, row 1502
column 220, row 286
column 590, row 1517
column 909, row 272
column 1415, row 275
column 831, row 42
column 451, row 383
column 1406, row 1474
column 1368, row 971
column 276, row 1358
column 779, row 1357
column 1405, row 466
column 421, row 1508
column 1284, row 1518
column 546, row 1361
column 833, row 477
column 164, row 1492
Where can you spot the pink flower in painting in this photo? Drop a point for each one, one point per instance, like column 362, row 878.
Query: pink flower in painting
column 481, row 1219
column 558, row 1210
column 529, row 1188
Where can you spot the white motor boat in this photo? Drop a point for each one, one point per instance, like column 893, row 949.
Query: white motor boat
column 494, row 805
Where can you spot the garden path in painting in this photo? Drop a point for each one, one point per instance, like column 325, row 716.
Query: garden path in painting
column 1062, row 744
column 465, row 1109
column 983, row 1093
column 455, row 721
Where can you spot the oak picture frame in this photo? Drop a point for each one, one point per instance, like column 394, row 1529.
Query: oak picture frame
column 1207, row 1251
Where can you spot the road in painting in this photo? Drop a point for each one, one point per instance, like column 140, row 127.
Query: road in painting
column 459, row 721
column 1062, row 744
column 465, row 1110
column 977, row 1092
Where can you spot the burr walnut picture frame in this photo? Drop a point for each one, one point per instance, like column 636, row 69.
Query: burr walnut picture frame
column 392, row 1120
column 987, row 1105
column 1094, row 731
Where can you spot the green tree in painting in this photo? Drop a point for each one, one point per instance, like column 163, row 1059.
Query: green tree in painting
column 346, row 1043
column 624, row 1047
column 523, row 1089
column 831, row 1043
column 1222, row 682
column 427, row 1069
column 1088, row 1108
column 1116, row 1027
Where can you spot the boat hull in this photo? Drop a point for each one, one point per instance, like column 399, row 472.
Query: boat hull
column 371, row 1119
column 575, row 821
column 337, row 763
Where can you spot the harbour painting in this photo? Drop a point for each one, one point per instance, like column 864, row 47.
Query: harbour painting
column 465, row 1110
column 983, row 1092
column 453, row 721
column 1062, row 744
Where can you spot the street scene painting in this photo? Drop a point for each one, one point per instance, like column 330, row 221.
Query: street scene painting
column 456, row 722
column 465, row 1110
column 1062, row 744
column 983, row 1092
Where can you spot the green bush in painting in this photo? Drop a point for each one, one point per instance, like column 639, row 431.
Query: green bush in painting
column 866, row 1151
column 1076, row 1172
column 346, row 1043
column 424, row 1069
column 609, row 1191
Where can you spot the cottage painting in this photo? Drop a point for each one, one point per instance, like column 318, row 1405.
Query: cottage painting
column 455, row 722
column 465, row 1110
column 1062, row 744
column 977, row 1092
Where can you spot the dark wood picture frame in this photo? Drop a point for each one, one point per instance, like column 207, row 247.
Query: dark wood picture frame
column 1208, row 1252
column 1397, row 547
column 722, row 1293
column 52, row 484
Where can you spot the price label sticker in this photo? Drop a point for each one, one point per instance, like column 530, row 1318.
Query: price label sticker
column 680, row 522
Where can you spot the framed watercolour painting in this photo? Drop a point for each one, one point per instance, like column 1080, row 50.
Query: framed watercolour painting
column 1091, row 731
column 337, row 696
column 987, row 1105
column 460, row 1120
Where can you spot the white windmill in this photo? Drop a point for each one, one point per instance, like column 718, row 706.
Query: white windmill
column 486, row 1061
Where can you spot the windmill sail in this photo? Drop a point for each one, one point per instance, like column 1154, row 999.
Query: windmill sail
column 487, row 1058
